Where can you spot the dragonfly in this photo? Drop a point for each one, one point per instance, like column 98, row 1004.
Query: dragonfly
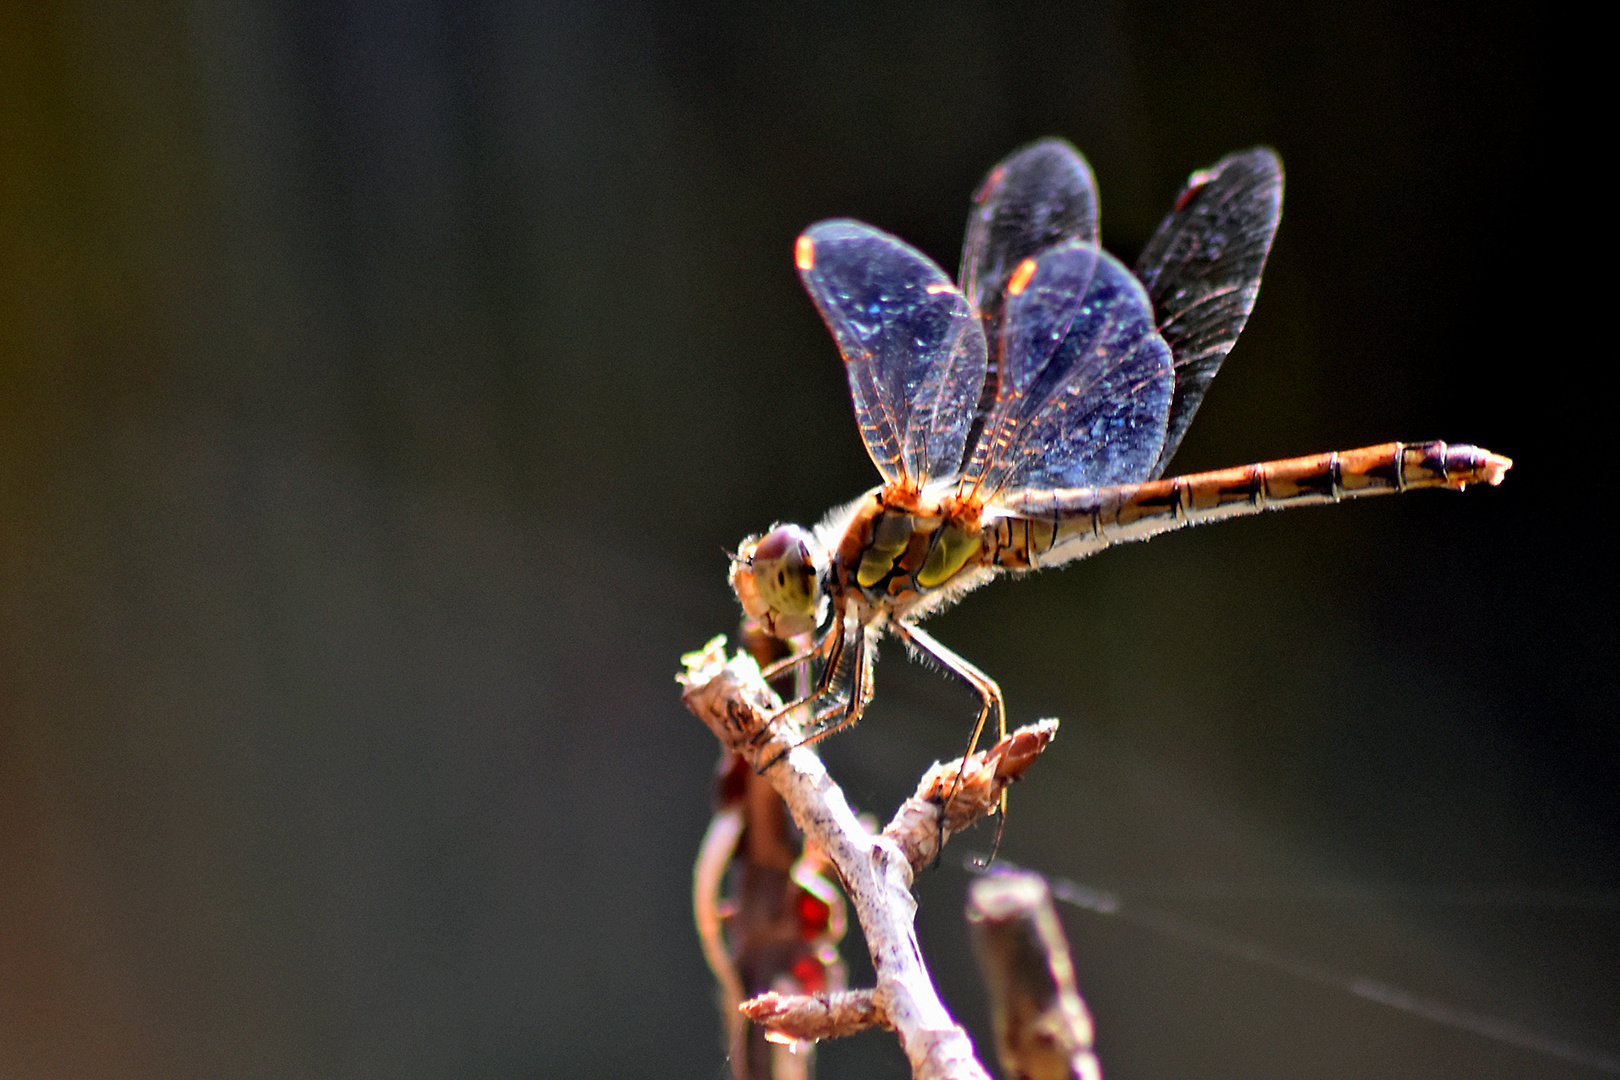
column 1023, row 416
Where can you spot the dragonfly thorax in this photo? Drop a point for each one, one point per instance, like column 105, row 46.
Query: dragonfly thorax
column 887, row 553
column 906, row 555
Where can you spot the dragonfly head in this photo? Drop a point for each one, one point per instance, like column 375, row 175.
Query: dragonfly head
column 777, row 577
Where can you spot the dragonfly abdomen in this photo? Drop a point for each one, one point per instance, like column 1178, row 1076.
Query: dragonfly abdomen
column 1046, row 528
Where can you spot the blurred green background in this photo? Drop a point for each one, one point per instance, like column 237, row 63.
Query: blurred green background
column 381, row 384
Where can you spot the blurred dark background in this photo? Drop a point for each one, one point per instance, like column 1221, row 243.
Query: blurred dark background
column 381, row 384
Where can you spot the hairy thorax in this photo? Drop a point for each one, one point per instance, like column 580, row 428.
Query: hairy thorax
column 904, row 554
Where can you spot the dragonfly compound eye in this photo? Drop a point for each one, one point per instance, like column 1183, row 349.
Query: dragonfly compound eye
column 776, row 578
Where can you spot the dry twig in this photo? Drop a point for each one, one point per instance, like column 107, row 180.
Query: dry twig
column 1043, row 1030
column 768, row 915
column 877, row 870
column 816, row 1016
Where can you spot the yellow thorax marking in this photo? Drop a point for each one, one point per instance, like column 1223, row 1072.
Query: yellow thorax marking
column 953, row 548
column 890, row 534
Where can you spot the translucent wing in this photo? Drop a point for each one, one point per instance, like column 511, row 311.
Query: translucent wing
column 1085, row 383
column 1039, row 196
column 1202, row 271
column 913, row 347
column 1036, row 198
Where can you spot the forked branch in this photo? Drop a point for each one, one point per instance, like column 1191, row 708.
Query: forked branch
column 877, row 870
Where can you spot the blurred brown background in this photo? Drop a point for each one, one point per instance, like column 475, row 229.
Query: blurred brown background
column 380, row 385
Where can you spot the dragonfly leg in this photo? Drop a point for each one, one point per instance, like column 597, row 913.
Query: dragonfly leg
column 860, row 693
column 989, row 692
column 775, row 668
column 989, row 695
column 835, row 644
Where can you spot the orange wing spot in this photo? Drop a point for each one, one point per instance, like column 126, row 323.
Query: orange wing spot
column 1197, row 182
column 938, row 287
column 804, row 253
column 1020, row 277
column 990, row 184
